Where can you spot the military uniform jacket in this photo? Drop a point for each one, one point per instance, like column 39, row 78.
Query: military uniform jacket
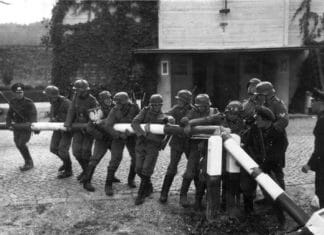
column 195, row 113
column 117, row 115
column 237, row 126
column 78, row 111
column 275, row 146
column 177, row 112
column 21, row 110
column 148, row 116
column 280, row 111
column 97, row 130
column 59, row 109
column 316, row 161
column 248, row 110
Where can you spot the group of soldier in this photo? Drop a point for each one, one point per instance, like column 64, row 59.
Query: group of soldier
column 260, row 121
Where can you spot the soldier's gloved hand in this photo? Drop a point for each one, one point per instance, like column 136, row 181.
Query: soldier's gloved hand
column 184, row 121
column 147, row 128
column 127, row 132
column 305, row 168
column 9, row 126
column 68, row 128
column 187, row 130
column 171, row 120
column 122, row 136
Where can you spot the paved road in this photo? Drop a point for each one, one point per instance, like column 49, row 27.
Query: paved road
column 41, row 185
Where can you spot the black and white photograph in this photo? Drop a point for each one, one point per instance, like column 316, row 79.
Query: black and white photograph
column 162, row 117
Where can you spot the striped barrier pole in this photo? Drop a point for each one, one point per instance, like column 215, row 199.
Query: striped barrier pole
column 214, row 174
column 266, row 182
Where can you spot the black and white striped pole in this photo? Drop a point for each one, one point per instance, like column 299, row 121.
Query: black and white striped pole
column 264, row 180
column 214, row 174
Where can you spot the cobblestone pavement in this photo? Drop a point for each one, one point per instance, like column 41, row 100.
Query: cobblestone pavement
column 41, row 184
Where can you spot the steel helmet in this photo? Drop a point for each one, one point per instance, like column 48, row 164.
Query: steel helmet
column 265, row 88
column 234, row 107
column 81, row 85
column 121, row 98
column 202, row 100
column 184, row 95
column 104, row 95
column 51, row 91
column 156, row 99
column 253, row 81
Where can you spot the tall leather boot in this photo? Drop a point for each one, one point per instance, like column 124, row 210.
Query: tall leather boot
column 109, row 181
column 87, row 178
column 83, row 167
column 67, row 168
column 248, row 204
column 131, row 177
column 167, row 182
column 149, row 187
column 29, row 164
column 200, row 191
column 141, row 191
column 183, row 192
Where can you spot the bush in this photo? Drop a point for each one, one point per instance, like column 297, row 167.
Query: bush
column 35, row 95
column 105, row 44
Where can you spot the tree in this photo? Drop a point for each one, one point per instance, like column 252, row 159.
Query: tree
column 114, row 29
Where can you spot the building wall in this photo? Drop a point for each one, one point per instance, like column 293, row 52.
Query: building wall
column 282, row 72
column 250, row 24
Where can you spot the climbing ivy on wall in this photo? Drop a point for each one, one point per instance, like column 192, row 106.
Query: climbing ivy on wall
column 311, row 24
column 107, row 40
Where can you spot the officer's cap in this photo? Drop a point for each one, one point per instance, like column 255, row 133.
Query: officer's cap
column 18, row 87
column 265, row 113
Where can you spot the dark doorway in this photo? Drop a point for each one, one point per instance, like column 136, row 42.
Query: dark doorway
column 225, row 79
column 199, row 64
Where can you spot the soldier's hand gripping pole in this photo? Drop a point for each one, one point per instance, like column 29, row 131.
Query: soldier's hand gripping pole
column 266, row 182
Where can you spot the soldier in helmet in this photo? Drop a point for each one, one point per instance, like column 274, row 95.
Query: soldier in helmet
column 232, row 118
column 61, row 140
column 21, row 110
column 102, row 138
column 78, row 112
column 123, row 112
column 148, row 145
column 250, row 103
column 179, row 144
column 266, row 95
column 201, row 109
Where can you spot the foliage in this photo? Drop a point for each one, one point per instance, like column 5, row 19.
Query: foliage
column 311, row 24
column 7, row 68
column 104, row 43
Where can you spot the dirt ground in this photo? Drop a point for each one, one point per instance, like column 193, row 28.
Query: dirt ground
column 120, row 216
column 84, row 213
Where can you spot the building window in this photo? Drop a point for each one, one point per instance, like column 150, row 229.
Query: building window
column 164, row 67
